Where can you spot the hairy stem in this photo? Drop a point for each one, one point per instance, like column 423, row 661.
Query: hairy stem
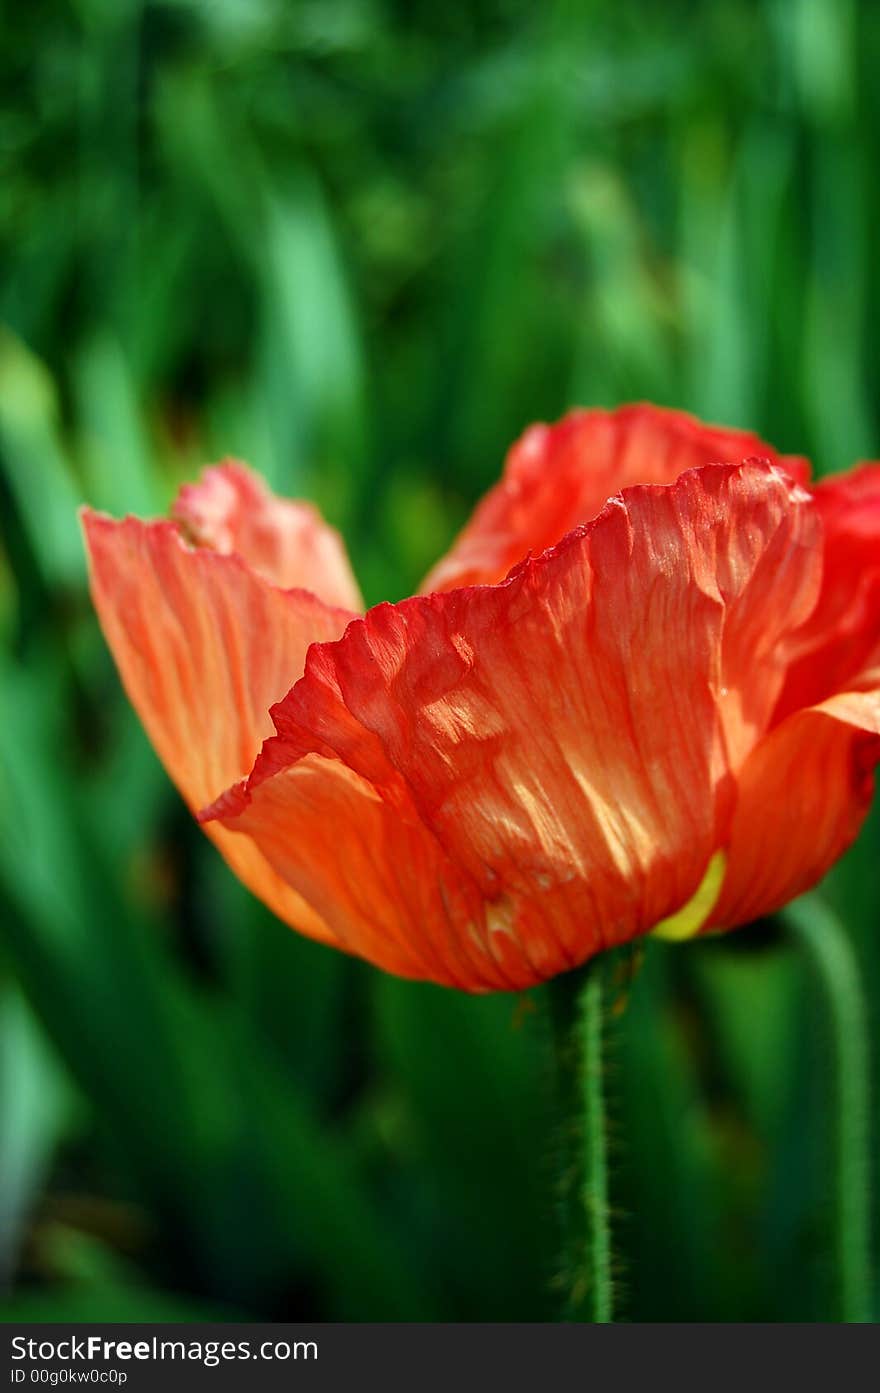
column 830, row 952
column 586, row 1219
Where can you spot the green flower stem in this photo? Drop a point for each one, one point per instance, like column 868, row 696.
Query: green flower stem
column 586, row 1219
column 830, row 952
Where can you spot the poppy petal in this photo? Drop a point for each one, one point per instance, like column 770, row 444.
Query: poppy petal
column 841, row 640
column 556, row 754
column 558, row 476
column 204, row 646
column 372, row 870
column 804, row 792
column 230, row 509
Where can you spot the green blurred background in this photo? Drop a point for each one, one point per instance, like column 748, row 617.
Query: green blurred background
column 363, row 244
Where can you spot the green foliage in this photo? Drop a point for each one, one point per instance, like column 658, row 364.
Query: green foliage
column 363, row 244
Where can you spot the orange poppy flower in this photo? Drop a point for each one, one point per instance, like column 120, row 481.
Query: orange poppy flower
column 664, row 718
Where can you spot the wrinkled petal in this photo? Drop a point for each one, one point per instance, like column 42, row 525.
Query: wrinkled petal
column 230, row 509
column 371, row 869
column 558, row 476
column 204, row 646
column 549, row 763
column 840, row 644
column 803, row 795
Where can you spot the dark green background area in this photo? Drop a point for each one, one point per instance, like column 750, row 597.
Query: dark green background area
column 362, row 245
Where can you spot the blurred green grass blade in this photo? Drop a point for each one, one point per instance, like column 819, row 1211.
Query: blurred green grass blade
column 837, row 294
column 318, row 1208
column 623, row 320
column 828, row 947
column 237, row 423
column 418, row 523
column 310, row 359
column 722, row 385
column 309, row 393
column 33, row 463
column 768, row 271
column 821, row 37
column 474, row 1127
column 101, row 1302
column 128, row 796
column 295, row 995
column 753, row 1065
column 201, row 1136
column 853, row 890
column 116, row 455
column 89, row 966
column 759, row 1047
column 34, row 1106
column 663, row 1158
column 499, row 301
